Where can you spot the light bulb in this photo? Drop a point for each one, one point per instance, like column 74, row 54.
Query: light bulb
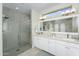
column 73, row 10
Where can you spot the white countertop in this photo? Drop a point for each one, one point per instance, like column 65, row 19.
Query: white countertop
column 75, row 41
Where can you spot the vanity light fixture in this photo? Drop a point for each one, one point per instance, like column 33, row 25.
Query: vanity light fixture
column 73, row 10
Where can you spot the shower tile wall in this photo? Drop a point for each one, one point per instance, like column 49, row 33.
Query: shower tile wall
column 18, row 28
column 1, row 29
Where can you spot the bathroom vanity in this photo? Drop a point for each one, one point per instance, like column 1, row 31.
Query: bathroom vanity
column 58, row 36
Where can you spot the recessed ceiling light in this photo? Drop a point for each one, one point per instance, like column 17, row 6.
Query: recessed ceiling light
column 17, row 8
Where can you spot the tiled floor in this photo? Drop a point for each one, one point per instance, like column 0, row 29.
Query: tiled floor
column 35, row 52
column 15, row 52
column 27, row 51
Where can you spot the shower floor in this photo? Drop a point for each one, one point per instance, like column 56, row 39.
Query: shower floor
column 14, row 52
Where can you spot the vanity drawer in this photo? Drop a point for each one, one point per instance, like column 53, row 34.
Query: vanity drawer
column 61, row 42
column 75, row 45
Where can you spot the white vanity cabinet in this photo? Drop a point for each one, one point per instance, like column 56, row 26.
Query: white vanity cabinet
column 60, row 48
column 51, row 46
column 72, row 51
column 35, row 41
column 56, row 47
column 66, row 49
column 43, row 44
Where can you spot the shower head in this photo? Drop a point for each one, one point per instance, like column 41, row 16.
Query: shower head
column 5, row 17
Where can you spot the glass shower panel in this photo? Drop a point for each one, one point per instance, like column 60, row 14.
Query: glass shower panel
column 16, row 32
column 9, row 35
column 4, row 38
column 46, row 26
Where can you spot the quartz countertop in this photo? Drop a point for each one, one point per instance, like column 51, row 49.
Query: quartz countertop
column 75, row 41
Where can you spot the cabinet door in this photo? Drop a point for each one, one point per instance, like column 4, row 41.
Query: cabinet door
column 60, row 49
column 43, row 44
column 72, row 51
column 51, row 46
column 35, row 42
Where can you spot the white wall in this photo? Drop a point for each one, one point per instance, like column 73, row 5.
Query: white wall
column 1, row 30
column 76, row 5
column 35, row 16
column 60, row 6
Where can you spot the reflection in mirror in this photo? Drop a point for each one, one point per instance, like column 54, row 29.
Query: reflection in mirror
column 52, row 23
column 75, row 24
column 75, row 36
column 61, row 25
column 45, row 26
column 64, row 25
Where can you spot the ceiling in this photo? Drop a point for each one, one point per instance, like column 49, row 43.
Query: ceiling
column 26, row 7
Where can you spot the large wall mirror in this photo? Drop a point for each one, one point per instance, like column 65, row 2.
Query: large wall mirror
column 62, row 25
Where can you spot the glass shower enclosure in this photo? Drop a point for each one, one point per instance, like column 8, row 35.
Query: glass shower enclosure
column 16, row 33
